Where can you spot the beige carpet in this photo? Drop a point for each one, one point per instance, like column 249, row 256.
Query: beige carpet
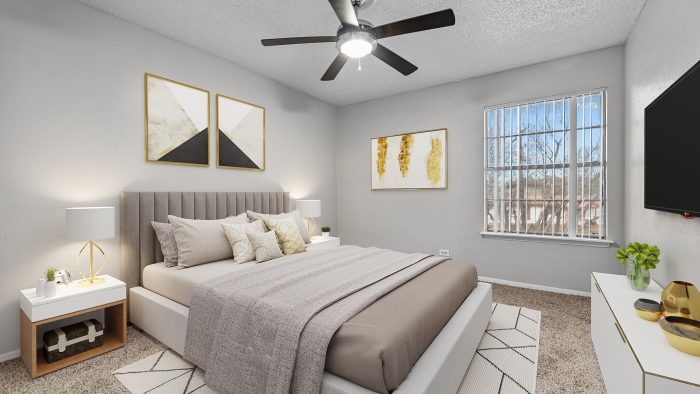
column 567, row 363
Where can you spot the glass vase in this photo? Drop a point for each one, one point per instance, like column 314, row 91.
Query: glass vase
column 637, row 276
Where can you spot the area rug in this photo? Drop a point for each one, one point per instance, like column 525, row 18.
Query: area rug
column 505, row 361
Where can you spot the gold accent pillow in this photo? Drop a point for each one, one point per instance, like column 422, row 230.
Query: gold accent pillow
column 287, row 233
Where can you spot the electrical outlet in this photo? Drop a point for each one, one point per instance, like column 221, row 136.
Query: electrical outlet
column 444, row 252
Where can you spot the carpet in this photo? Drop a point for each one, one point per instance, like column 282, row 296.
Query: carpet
column 505, row 361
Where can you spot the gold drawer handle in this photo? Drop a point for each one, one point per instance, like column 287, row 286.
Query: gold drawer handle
column 598, row 287
column 619, row 331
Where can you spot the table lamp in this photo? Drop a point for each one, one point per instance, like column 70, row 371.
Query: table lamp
column 90, row 224
column 309, row 209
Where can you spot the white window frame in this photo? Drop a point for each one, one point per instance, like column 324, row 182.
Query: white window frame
column 571, row 238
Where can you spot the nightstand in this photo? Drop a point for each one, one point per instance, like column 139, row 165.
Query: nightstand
column 322, row 243
column 71, row 300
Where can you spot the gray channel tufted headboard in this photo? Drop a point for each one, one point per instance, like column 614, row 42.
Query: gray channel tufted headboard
column 139, row 245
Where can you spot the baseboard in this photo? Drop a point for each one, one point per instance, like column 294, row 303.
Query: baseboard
column 9, row 355
column 534, row 287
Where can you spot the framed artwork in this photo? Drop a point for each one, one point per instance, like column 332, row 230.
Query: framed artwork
column 240, row 134
column 410, row 161
column 177, row 122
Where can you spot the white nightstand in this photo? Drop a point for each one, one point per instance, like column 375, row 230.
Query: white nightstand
column 322, row 243
column 71, row 300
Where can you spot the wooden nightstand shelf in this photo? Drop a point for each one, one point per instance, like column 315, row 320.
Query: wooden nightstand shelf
column 71, row 300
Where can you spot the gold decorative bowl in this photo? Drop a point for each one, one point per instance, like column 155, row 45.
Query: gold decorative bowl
column 681, row 299
column 648, row 309
column 682, row 333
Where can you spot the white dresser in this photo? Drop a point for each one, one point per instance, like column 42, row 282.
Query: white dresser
column 633, row 353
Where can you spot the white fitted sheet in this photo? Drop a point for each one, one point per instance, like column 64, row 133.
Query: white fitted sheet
column 178, row 284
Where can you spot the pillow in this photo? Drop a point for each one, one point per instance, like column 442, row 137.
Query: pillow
column 297, row 217
column 237, row 235
column 202, row 241
column 166, row 238
column 265, row 245
column 287, row 233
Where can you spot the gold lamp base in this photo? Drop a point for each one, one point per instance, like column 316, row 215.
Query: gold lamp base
column 92, row 278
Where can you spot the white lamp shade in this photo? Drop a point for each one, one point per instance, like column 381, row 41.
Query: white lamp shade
column 89, row 223
column 309, row 208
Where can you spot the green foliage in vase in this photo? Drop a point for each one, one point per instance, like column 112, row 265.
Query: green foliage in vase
column 325, row 229
column 642, row 255
column 51, row 274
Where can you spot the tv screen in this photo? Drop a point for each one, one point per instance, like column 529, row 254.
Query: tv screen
column 672, row 147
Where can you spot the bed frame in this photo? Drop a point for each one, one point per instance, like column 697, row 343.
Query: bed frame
column 439, row 370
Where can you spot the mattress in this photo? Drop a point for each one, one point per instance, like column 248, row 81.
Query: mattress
column 376, row 348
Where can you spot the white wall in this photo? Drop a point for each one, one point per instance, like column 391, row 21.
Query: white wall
column 72, row 129
column 663, row 45
column 427, row 220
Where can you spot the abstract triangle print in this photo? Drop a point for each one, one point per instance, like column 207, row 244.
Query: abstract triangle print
column 193, row 151
column 230, row 155
column 243, row 125
column 177, row 120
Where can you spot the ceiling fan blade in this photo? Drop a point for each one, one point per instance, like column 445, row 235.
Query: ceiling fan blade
column 335, row 67
column 400, row 64
column 297, row 40
column 433, row 20
column 345, row 12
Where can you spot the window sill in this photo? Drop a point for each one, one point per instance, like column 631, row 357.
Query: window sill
column 595, row 243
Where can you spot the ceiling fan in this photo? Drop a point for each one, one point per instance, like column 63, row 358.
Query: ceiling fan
column 357, row 38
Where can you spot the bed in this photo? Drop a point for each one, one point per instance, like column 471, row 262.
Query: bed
column 424, row 347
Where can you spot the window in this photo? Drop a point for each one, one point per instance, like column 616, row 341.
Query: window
column 533, row 184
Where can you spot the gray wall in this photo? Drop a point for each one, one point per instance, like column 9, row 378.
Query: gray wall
column 663, row 45
column 72, row 128
column 427, row 220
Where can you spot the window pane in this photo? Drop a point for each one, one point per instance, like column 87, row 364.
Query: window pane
column 527, row 179
column 559, row 115
column 549, row 116
column 532, row 118
column 540, row 117
column 596, row 106
column 491, row 123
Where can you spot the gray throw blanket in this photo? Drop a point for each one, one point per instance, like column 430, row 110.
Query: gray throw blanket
column 267, row 328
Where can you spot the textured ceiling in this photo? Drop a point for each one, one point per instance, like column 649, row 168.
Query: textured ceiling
column 490, row 36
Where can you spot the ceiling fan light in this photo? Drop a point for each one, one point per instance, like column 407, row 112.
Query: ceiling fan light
column 356, row 44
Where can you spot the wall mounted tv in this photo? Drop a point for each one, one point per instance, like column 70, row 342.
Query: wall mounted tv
column 672, row 147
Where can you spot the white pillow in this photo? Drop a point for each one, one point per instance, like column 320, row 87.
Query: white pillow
column 295, row 213
column 237, row 235
column 265, row 245
column 202, row 241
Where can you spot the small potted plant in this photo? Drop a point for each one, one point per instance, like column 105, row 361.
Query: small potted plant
column 639, row 259
column 326, row 231
column 50, row 285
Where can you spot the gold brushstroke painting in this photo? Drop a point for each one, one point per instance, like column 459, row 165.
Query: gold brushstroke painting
column 410, row 161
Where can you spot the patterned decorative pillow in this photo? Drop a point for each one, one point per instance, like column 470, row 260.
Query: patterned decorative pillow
column 166, row 238
column 295, row 214
column 287, row 233
column 237, row 235
column 265, row 245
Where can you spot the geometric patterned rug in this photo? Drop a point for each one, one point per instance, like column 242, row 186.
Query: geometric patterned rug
column 505, row 361
column 162, row 373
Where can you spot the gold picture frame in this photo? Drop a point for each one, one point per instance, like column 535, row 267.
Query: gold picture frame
column 433, row 159
column 242, row 144
column 186, row 106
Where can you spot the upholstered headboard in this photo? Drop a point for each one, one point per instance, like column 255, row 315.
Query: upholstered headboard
column 139, row 245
